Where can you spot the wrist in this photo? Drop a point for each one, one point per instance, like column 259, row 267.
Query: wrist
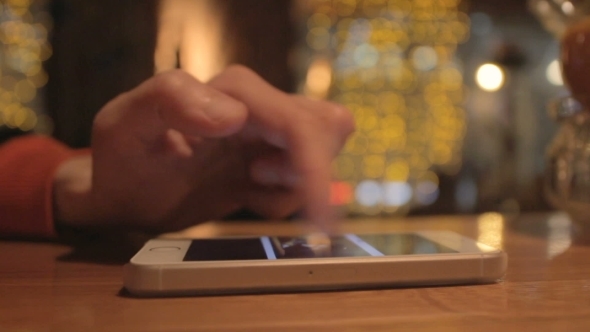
column 72, row 193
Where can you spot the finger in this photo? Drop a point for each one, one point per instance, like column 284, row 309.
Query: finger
column 336, row 115
column 284, row 202
column 175, row 100
column 283, row 123
column 314, row 163
column 275, row 170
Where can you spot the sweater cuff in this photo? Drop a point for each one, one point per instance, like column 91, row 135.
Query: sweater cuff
column 27, row 169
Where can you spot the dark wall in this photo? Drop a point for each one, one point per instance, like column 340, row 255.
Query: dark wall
column 101, row 48
column 260, row 34
column 105, row 47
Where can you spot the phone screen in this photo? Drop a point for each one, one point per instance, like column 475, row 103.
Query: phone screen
column 312, row 246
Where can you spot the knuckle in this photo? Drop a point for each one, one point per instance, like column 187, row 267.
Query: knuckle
column 100, row 124
column 100, row 120
column 107, row 118
column 240, row 72
column 170, row 82
column 330, row 113
column 235, row 77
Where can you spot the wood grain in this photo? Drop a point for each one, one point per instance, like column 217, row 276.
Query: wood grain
column 45, row 287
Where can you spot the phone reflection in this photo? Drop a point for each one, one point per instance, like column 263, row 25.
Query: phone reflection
column 316, row 245
column 311, row 246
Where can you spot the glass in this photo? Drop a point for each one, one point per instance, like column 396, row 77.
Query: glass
column 567, row 183
column 568, row 159
column 570, row 23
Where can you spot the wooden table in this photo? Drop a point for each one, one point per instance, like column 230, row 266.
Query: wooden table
column 52, row 287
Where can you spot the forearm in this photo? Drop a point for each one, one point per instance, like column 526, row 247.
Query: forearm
column 27, row 169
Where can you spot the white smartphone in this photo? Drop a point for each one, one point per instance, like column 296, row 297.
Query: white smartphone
column 313, row 262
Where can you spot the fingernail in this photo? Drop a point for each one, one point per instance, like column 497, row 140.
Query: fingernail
column 223, row 112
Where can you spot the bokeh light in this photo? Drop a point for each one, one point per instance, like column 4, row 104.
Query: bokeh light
column 319, row 78
column 559, row 235
column 392, row 63
column 567, row 7
column 490, row 77
column 424, row 58
column 397, row 193
column 369, row 193
column 553, row 73
column 23, row 48
column 490, row 228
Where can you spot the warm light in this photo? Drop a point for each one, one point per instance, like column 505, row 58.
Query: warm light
column 553, row 73
column 190, row 31
column 490, row 77
column 25, row 91
column 24, row 119
column 424, row 58
column 366, row 56
column 340, row 193
column 319, row 78
column 567, row 7
column 491, row 229
column 23, row 48
column 543, row 7
column 393, row 64
column 373, row 166
column 559, row 237
column 397, row 171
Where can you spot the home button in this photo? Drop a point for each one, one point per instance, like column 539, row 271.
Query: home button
column 165, row 249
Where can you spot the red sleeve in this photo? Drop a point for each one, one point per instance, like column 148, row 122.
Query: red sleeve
column 27, row 166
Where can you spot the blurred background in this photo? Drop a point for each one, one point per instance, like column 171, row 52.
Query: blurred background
column 449, row 95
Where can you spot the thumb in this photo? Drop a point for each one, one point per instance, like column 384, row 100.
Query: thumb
column 175, row 100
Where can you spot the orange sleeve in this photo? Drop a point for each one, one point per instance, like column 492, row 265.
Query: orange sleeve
column 27, row 166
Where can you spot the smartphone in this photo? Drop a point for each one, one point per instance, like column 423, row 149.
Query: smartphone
column 311, row 262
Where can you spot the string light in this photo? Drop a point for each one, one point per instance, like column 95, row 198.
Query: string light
column 23, row 48
column 391, row 63
column 489, row 77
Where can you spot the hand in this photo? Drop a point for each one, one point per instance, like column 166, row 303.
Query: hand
column 175, row 152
